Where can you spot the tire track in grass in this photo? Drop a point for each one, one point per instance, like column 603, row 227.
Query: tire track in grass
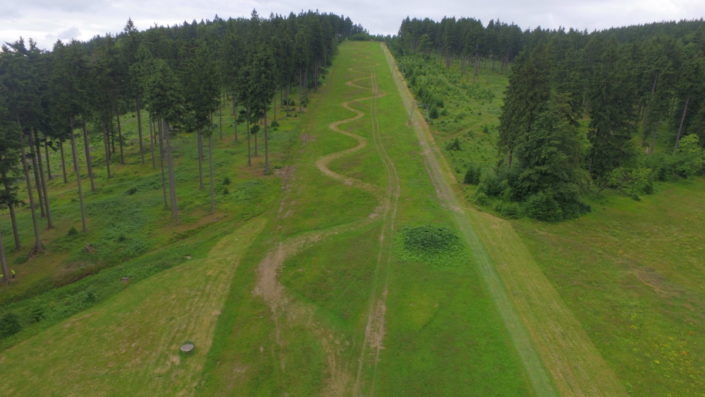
column 374, row 328
column 546, row 334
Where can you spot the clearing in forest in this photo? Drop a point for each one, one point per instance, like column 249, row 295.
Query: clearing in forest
column 370, row 278
column 335, row 299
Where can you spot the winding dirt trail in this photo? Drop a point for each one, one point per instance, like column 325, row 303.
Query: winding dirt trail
column 323, row 163
column 285, row 309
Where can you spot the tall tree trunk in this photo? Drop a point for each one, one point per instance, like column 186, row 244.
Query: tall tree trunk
column 42, row 182
column 649, row 125
column 161, row 161
column 249, row 156
column 220, row 117
column 266, row 146
column 301, row 94
column 139, row 128
column 37, row 241
column 74, row 154
column 256, row 144
column 3, row 262
column 63, row 161
column 172, row 182
column 46, row 157
column 199, row 141
column 234, row 118
column 511, row 155
column 274, row 116
column 680, row 127
column 476, row 69
column 37, row 180
column 111, row 131
column 120, row 140
column 89, row 162
column 210, row 170
column 151, row 141
column 15, row 232
column 13, row 219
column 287, row 103
column 106, row 144
column 305, row 90
column 316, row 75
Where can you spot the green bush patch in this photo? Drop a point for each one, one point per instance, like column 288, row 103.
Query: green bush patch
column 431, row 244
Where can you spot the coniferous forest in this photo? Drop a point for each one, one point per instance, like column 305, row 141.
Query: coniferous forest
column 293, row 205
column 179, row 74
column 618, row 108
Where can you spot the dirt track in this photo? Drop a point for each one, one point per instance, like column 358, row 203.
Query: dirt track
column 287, row 311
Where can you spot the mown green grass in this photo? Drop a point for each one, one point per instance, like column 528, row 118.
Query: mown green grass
column 130, row 233
column 129, row 344
column 631, row 271
column 443, row 335
column 633, row 274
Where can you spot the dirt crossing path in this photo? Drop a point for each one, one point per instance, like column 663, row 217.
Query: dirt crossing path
column 557, row 354
column 287, row 311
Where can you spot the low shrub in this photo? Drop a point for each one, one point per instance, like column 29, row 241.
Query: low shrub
column 433, row 113
column 472, row 175
column 544, row 207
column 9, row 324
column 481, row 199
column 429, row 239
column 509, row 209
column 454, row 145
column 492, row 184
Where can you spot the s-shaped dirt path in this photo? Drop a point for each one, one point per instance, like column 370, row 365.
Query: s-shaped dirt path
column 285, row 309
column 557, row 354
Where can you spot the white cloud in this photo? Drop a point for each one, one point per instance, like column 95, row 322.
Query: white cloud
column 49, row 20
column 69, row 33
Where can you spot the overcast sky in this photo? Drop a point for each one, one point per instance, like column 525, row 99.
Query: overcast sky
column 49, row 20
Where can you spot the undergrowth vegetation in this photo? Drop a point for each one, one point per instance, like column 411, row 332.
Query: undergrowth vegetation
column 430, row 244
column 463, row 103
column 130, row 238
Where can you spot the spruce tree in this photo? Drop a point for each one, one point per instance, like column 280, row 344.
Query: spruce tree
column 526, row 98
column 612, row 110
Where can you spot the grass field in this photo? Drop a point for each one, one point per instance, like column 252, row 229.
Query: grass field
column 627, row 277
column 351, row 312
column 356, row 269
column 129, row 345
column 545, row 333
column 330, row 298
column 633, row 274
column 130, row 233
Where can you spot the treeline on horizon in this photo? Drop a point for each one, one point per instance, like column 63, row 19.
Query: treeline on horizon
column 618, row 108
column 180, row 75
